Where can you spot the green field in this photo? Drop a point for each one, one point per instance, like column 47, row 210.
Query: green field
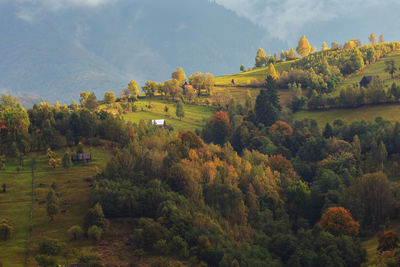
column 195, row 115
column 74, row 195
column 367, row 113
column 247, row 77
column 376, row 69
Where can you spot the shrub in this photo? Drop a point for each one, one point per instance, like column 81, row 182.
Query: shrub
column 95, row 233
column 161, row 247
column 46, row 261
column 6, row 229
column 75, row 232
column 49, row 247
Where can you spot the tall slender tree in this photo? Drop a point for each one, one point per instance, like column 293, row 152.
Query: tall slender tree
column 372, row 38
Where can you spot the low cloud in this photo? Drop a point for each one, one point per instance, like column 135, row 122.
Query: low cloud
column 285, row 19
column 28, row 10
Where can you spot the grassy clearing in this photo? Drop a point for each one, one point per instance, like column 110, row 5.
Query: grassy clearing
column 367, row 113
column 15, row 205
column 246, row 78
column 376, row 69
column 74, row 194
column 372, row 243
column 194, row 115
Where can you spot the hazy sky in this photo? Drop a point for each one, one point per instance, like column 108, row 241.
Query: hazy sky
column 281, row 19
column 287, row 19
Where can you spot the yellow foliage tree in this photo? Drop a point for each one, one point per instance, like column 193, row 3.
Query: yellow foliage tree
column 272, row 72
column 304, row 47
column 260, row 58
column 372, row 39
column 349, row 45
column 179, row 75
column 324, row 46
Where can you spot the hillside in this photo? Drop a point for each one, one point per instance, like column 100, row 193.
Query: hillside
column 57, row 55
column 195, row 116
column 16, row 204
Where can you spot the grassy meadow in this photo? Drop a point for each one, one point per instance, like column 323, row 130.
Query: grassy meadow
column 367, row 113
column 74, row 195
column 376, row 69
column 247, row 77
column 195, row 115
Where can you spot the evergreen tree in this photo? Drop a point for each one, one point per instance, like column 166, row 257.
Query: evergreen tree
column 66, row 160
column 267, row 106
column 242, row 69
column 52, row 204
column 328, row 131
column 303, row 47
column 391, row 67
column 382, row 153
column 180, row 112
column 95, row 216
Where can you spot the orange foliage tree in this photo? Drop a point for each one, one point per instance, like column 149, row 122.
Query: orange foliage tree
column 388, row 240
column 338, row 221
column 281, row 128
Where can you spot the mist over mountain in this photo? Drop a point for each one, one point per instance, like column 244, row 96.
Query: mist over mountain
column 58, row 53
column 56, row 49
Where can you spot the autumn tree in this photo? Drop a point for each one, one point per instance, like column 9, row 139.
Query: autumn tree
column 83, row 98
column 267, row 106
column 248, row 104
column 290, row 55
column 261, row 58
column 283, row 56
column 334, row 45
column 349, row 45
column 324, row 46
column 180, row 112
column 372, row 38
column 202, row 81
column 272, row 72
column 388, row 240
column 218, row 128
column 381, row 39
column 109, row 97
column 173, row 88
column 303, row 47
column 132, row 91
column 391, row 67
column 338, row 221
column 179, row 75
column 150, row 88
column 52, row 204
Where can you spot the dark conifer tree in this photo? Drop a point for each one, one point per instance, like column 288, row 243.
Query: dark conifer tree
column 267, row 103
